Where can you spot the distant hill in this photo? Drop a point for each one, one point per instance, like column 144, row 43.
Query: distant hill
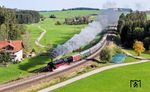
column 79, row 8
column 82, row 8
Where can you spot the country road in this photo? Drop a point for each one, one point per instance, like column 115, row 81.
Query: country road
column 37, row 41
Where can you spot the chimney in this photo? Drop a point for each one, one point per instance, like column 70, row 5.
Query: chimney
column 9, row 41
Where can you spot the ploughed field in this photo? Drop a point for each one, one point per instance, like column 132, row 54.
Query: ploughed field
column 113, row 80
column 55, row 35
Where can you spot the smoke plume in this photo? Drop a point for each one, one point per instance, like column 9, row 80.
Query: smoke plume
column 109, row 4
column 105, row 18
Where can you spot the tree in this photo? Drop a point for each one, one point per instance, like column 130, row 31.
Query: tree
column 28, row 16
column 147, row 43
column 52, row 16
column 2, row 19
column 106, row 55
column 122, row 16
column 138, row 33
column 3, row 32
column 138, row 47
column 27, row 44
column 77, row 20
column 5, row 57
column 49, row 50
column 58, row 23
column 9, row 29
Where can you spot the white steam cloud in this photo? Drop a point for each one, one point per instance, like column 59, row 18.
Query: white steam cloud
column 109, row 4
column 105, row 18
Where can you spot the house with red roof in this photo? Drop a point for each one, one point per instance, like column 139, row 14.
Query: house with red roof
column 15, row 48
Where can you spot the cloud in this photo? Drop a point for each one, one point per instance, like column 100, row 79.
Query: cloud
column 138, row 6
column 110, row 4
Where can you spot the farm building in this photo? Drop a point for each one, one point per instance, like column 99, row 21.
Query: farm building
column 15, row 48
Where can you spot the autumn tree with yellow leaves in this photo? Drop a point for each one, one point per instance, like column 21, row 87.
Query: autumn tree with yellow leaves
column 138, row 47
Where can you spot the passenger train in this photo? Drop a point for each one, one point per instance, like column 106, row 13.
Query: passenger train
column 63, row 61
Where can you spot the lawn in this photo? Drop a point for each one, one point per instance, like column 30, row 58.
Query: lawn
column 23, row 69
column 55, row 35
column 114, row 80
column 58, row 34
column 69, row 13
column 34, row 34
column 144, row 54
column 130, row 59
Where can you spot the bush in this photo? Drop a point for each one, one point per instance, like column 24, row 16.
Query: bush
column 5, row 57
column 77, row 20
column 57, row 23
column 106, row 55
column 52, row 16
column 117, row 50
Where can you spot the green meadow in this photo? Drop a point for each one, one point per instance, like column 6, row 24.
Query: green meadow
column 113, row 80
column 56, row 34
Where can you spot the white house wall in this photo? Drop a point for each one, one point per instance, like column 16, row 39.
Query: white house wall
column 19, row 55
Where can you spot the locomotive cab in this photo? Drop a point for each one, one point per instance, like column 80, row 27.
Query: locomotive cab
column 51, row 66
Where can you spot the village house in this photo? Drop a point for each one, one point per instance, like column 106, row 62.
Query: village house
column 15, row 48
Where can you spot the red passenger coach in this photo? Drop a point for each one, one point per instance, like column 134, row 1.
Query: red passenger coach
column 58, row 65
column 76, row 57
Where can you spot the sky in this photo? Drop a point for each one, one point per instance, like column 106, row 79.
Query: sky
column 60, row 4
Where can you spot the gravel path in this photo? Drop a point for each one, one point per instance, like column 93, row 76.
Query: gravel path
column 40, row 37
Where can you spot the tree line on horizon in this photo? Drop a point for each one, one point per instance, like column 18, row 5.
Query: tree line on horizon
column 27, row 16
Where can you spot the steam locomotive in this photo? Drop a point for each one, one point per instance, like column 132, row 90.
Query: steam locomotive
column 63, row 61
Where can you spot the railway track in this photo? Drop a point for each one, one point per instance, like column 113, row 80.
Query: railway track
column 25, row 83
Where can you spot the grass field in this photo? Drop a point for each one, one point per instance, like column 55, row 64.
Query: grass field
column 23, row 69
column 64, row 14
column 114, row 80
column 58, row 34
column 55, row 35
column 130, row 59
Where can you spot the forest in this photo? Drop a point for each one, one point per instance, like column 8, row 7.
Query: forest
column 27, row 16
column 134, row 26
column 9, row 29
column 11, row 21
